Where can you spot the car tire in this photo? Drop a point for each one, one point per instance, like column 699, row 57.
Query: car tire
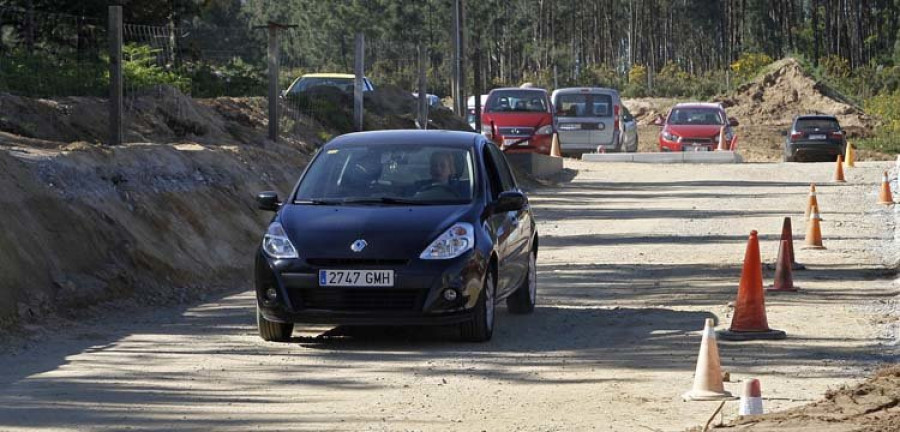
column 271, row 331
column 481, row 327
column 524, row 297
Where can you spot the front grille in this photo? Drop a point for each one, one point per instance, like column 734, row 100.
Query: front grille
column 361, row 299
column 516, row 131
column 355, row 262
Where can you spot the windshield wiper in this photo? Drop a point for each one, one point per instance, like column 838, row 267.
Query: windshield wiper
column 383, row 200
column 319, row 202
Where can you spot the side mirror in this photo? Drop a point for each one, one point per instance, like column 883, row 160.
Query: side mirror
column 732, row 122
column 510, row 201
column 268, row 201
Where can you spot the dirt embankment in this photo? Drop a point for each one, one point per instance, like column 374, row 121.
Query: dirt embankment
column 872, row 406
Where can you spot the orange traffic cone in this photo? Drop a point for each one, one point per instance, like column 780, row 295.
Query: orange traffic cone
column 554, row 146
column 813, row 231
column 787, row 235
column 813, row 202
column 751, row 398
column 722, row 139
column 784, row 279
column 885, row 196
column 749, row 321
column 851, row 157
column 839, row 170
column 708, row 384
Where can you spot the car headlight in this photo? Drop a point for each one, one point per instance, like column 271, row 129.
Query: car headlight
column 545, row 130
column 276, row 243
column 668, row 136
column 457, row 240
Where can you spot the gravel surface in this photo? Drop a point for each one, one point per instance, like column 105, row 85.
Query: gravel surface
column 633, row 259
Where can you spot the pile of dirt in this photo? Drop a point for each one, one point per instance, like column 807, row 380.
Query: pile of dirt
column 872, row 406
column 786, row 90
column 645, row 110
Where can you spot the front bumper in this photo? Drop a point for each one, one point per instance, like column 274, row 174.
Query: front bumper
column 415, row 299
column 535, row 144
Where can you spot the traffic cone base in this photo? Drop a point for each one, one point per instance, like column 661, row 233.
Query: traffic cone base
column 813, row 247
column 797, row 266
column 770, row 334
column 708, row 382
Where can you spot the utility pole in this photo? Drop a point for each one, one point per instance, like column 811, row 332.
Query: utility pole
column 274, row 92
column 455, row 68
column 359, row 68
column 476, row 86
column 115, row 75
column 423, row 100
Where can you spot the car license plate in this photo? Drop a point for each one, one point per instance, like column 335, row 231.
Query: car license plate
column 356, row 278
column 510, row 141
column 697, row 148
column 817, row 137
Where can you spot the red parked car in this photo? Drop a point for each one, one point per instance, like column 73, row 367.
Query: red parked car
column 695, row 127
column 518, row 119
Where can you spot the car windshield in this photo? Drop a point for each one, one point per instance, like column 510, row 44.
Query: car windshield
column 817, row 124
column 516, row 101
column 389, row 174
column 584, row 105
column 305, row 84
column 696, row 116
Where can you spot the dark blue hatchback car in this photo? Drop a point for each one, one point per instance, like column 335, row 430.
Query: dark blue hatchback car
column 398, row 228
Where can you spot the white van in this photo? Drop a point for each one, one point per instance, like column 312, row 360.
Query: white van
column 593, row 119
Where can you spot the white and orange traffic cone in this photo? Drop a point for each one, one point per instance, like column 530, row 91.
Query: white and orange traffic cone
column 708, row 385
column 839, row 170
column 812, row 202
column 751, row 398
column 813, row 231
column 885, row 196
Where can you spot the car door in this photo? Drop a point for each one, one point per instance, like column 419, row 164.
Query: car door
column 516, row 247
column 499, row 224
column 629, row 124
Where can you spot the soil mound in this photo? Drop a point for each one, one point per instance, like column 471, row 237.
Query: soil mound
column 870, row 406
column 785, row 91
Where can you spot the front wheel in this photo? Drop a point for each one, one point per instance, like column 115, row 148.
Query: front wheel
column 481, row 327
column 271, row 331
column 523, row 299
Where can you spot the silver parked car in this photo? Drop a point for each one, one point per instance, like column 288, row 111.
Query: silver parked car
column 593, row 119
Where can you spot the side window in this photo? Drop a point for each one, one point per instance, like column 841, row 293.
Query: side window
column 490, row 166
column 507, row 181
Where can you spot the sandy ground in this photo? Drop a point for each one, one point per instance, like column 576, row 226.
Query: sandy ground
column 633, row 259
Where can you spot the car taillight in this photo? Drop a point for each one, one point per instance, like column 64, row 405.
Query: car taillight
column 796, row 135
column 616, row 117
column 837, row 134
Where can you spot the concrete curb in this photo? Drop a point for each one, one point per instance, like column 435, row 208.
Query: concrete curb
column 714, row 157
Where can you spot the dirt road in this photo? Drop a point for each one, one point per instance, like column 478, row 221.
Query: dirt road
column 633, row 258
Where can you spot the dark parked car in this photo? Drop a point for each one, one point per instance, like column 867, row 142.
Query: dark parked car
column 814, row 137
column 398, row 228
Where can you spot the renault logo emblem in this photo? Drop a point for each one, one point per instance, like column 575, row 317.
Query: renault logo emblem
column 515, row 131
column 358, row 245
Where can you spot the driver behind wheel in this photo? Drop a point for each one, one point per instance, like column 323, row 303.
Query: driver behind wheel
column 443, row 177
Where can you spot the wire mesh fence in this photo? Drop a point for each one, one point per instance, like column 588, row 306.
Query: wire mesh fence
column 49, row 54
column 168, row 69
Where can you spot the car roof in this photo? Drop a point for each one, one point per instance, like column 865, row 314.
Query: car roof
column 405, row 137
column 715, row 105
column 816, row 116
column 535, row 89
column 329, row 75
column 569, row 90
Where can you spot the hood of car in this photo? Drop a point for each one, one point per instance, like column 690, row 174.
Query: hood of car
column 390, row 232
column 694, row 131
column 522, row 119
